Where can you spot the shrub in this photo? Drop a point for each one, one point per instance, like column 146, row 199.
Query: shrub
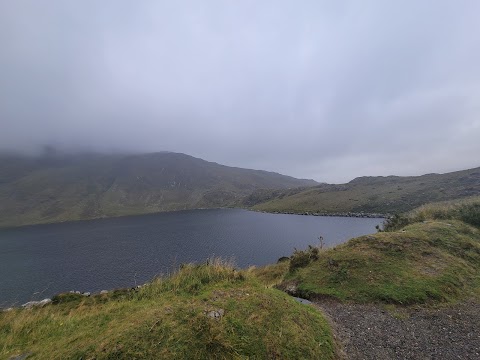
column 470, row 214
column 301, row 258
column 466, row 210
column 396, row 222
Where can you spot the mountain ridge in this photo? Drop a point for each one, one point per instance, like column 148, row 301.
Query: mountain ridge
column 57, row 187
column 371, row 194
column 61, row 187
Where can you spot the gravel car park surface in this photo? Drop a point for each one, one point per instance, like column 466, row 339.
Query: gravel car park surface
column 387, row 332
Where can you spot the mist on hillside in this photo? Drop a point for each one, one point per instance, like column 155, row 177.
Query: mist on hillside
column 321, row 90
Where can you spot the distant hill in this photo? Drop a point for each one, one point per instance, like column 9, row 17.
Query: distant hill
column 55, row 187
column 390, row 194
column 58, row 187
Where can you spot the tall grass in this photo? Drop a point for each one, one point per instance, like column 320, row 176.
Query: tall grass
column 466, row 210
column 191, row 278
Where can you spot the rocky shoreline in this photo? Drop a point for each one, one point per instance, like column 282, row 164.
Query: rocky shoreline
column 46, row 301
column 347, row 214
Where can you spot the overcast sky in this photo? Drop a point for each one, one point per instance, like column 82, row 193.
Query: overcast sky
column 328, row 90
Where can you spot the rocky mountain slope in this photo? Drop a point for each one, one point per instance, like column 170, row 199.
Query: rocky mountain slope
column 390, row 194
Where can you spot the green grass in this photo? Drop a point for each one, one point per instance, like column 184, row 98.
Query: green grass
column 270, row 275
column 432, row 262
column 167, row 319
column 430, row 255
column 466, row 210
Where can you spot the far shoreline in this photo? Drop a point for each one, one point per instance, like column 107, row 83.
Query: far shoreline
column 303, row 213
column 328, row 214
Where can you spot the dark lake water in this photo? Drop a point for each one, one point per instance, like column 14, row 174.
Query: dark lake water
column 39, row 261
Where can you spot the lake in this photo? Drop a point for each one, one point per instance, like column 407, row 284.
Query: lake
column 39, row 261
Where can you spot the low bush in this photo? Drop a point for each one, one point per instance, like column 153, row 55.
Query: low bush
column 301, row 258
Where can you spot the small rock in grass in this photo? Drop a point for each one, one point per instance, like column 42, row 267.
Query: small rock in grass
column 20, row 357
column 215, row 314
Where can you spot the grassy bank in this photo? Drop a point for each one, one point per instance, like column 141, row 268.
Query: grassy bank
column 201, row 312
column 430, row 255
column 424, row 262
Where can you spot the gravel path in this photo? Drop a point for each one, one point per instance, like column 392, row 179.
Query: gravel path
column 377, row 332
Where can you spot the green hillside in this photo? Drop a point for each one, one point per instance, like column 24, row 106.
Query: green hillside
column 383, row 195
column 55, row 188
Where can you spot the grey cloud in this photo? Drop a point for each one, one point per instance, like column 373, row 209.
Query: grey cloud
column 328, row 90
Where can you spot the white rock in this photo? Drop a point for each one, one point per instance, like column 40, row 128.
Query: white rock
column 40, row 303
column 215, row 314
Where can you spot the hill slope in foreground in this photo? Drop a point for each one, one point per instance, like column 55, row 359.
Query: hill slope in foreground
column 384, row 195
column 57, row 188
column 201, row 312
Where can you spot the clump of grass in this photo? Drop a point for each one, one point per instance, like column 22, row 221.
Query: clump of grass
column 301, row 258
column 191, row 278
column 466, row 210
column 274, row 274
column 270, row 275
column 168, row 319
